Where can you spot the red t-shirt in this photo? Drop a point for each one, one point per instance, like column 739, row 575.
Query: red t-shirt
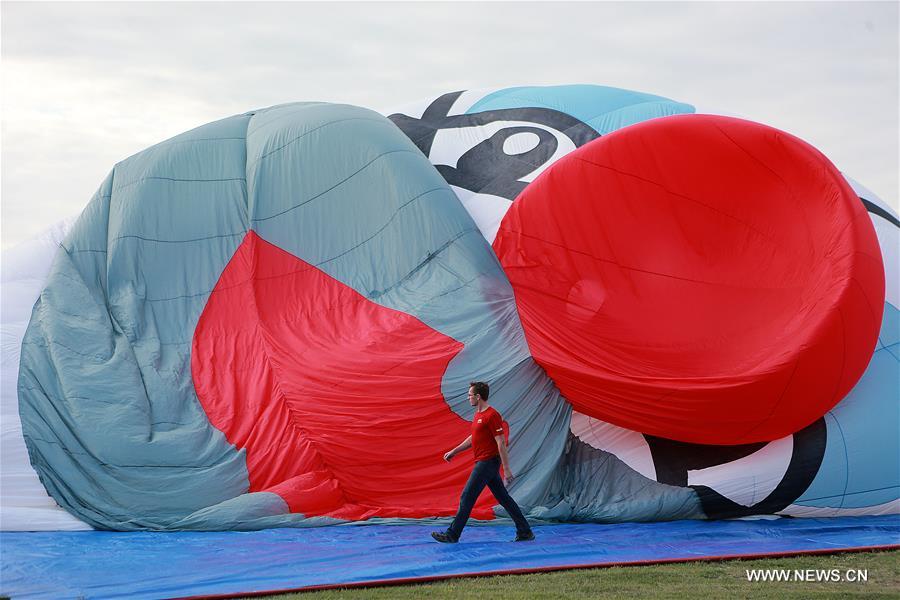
column 485, row 425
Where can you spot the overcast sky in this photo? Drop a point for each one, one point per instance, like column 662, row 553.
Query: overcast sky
column 85, row 85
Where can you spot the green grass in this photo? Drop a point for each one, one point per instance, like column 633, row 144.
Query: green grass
column 726, row 579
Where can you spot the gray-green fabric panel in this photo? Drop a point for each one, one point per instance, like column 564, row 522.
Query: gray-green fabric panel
column 593, row 485
column 109, row 412
column 342, row 188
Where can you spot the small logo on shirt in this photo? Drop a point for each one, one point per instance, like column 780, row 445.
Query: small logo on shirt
column 479, row 420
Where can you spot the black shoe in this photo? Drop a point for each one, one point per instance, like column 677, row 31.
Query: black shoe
column 446, row 538
column 523, row 537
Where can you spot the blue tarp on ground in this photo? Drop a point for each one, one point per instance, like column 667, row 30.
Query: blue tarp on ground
column 172, row 564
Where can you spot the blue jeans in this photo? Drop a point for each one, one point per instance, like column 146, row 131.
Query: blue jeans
column 486, row 472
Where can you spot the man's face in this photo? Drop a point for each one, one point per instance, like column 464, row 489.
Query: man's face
column 473, row 398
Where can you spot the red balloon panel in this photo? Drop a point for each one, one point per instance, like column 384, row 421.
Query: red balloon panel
column 700, row 278
column 336, row 399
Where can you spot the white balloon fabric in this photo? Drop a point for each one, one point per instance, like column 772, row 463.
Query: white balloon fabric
column 24, row 502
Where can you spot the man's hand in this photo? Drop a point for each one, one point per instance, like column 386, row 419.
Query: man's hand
column 508, row 478
column 448, row 456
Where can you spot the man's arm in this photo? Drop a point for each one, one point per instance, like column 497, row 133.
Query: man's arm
column 504, row 459
column 464, row 445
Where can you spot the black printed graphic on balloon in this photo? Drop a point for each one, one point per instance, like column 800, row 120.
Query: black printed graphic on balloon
column 877, row 210
column 486, row 167
column 673, row 460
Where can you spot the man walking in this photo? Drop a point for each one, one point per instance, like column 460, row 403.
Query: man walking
column 490, row 450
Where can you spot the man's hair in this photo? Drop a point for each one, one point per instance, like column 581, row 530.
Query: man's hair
column 480, row 388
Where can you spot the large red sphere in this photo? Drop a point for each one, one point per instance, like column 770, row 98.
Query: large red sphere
column 695, row 277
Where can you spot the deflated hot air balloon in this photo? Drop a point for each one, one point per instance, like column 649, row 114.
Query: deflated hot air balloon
column 272, row 320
